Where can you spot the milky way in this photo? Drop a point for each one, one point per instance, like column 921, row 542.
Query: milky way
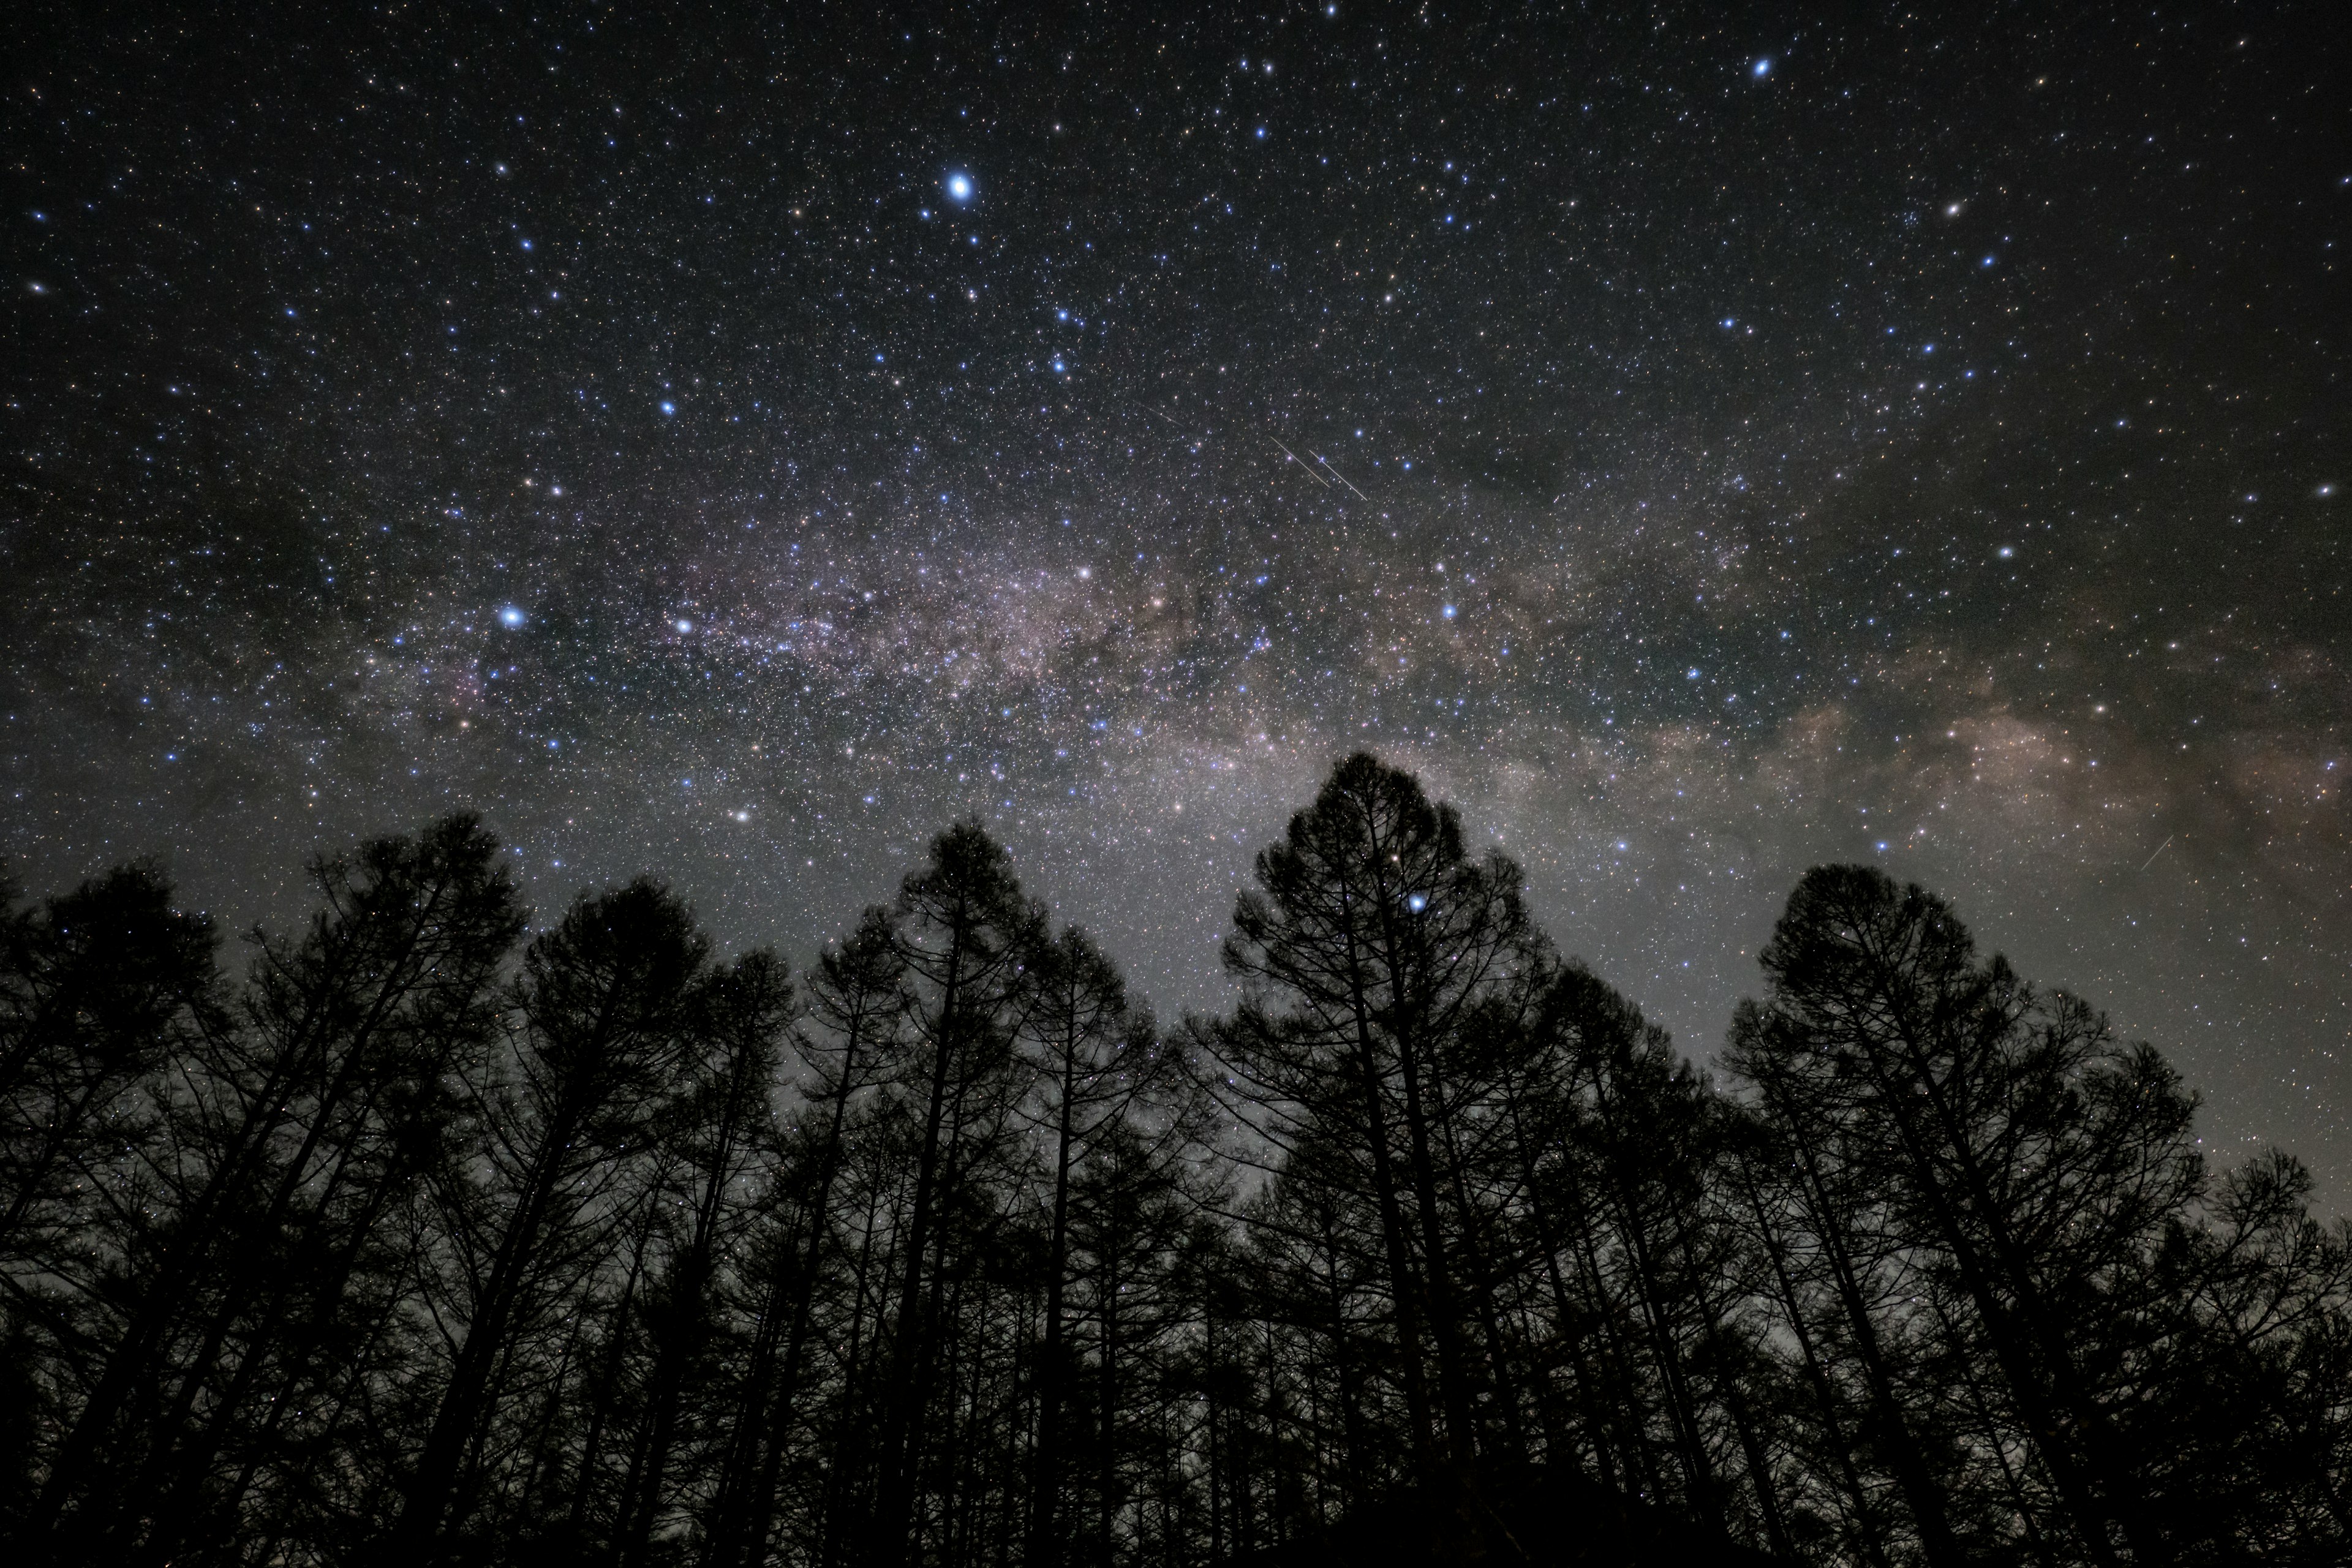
column 1701, row 451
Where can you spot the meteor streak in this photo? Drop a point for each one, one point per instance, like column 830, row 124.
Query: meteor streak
column 1341, row 477
column 1301, row 462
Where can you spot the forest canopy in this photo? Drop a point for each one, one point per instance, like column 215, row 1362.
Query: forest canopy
column 436, row 1233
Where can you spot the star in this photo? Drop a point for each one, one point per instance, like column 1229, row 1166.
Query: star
column 1012, row 489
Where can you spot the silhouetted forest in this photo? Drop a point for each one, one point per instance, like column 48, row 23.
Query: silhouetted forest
column 435, row 1232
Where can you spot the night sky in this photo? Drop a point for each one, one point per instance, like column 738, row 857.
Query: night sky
column 735, row 447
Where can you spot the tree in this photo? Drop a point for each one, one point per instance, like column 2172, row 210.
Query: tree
column 1090, row 1054
column 2243, row 1438
column 407, row 1248
column 95, row 989
column 603, row 1009
column 858, row 1004
column 391, row 990
column 98, row 989
column 964, row 932
column 1606, row 1165
column 1368, row 947
column 2018, row 1140
column 720, row 1125
column 275, row 1111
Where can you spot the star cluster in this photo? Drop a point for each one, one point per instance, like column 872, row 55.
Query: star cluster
column 734, row 449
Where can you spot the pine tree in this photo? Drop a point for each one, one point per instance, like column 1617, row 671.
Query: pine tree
column 857, row 1006
column 965, row 933
column 2020, row 1142
column 1378, row 937
column 399, row 973
column 99, row 989
column 1089, row 1056
column 276, row 1111
column 602, row 1004
column 720, row 1125
column 96, row 988
column 405, row 1249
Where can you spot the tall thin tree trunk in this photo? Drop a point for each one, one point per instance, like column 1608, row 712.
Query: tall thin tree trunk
column 1825, row 1400
column 1044, row 1543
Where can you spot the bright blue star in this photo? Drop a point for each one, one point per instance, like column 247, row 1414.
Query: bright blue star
column 668, row 407
column 511, row 617
column 959, row 188
column 1763, row 66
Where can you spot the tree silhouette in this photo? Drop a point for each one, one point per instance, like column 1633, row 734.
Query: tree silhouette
column 965, row 932
column 1089, row 1056
column 1378, row 938
column 603, row 1009
column 2033, row 1171
column 408, row 1246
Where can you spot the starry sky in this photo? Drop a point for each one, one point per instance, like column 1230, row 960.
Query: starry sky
column 732, row 445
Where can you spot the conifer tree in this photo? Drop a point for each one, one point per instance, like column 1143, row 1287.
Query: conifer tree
column 406, row 1247
column 1365, row 950
column 850, row 1034
column 721, row 1127
column 99, row 990
column 399, row 972
column 602, row 1004
column 965, row 933
column 1089, row 1056
column 2034, row 1157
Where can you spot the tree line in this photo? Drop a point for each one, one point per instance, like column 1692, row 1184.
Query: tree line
column 432, row 1236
